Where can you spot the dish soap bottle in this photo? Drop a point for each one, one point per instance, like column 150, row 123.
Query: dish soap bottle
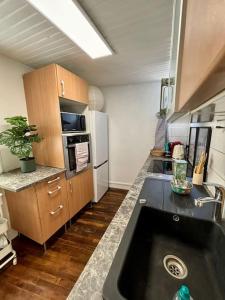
column 183, row 294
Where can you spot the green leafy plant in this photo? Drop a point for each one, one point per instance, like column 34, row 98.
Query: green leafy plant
column 19, row 137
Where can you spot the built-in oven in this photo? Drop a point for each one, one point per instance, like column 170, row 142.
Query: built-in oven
column 69, row 146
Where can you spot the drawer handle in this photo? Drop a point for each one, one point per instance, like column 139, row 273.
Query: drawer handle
column 71, row 188
column 54, row 180
column 56, row 190
column 53, row 212
column 62, row 87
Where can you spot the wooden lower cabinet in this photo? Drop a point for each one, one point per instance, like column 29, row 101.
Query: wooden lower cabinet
column 24, row 213
column 52, row 205
column 80, row 191
column 39, row 211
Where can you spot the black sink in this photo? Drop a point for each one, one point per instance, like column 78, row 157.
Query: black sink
column 138, row 270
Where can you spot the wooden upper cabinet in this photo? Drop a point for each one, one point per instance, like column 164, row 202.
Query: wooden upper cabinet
column 43, row 110
column 70, row 86
column 43, row 87
column 201, row 70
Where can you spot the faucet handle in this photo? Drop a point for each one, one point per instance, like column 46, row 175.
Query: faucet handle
column 219, row 189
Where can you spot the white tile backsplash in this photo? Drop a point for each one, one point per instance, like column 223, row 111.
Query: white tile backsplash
column 218, row 139
column 217, row 162
column 179, row 130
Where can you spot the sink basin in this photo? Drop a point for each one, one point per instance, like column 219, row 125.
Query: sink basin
column 160, row 251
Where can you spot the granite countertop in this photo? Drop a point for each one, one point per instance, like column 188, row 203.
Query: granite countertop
column 16, row 181
column 90, row 283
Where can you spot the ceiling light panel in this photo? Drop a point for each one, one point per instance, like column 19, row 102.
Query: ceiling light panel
column 68, row 16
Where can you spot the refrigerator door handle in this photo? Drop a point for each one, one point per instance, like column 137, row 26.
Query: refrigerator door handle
column 96, row 167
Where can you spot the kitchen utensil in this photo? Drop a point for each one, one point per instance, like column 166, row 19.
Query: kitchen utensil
column 197, row 178
column 200, row 166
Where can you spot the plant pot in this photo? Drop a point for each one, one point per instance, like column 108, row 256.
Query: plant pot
column 27, row 165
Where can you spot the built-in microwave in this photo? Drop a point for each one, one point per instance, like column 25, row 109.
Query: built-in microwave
column 72, row 122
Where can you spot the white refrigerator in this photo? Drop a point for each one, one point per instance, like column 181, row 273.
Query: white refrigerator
column 100, row 149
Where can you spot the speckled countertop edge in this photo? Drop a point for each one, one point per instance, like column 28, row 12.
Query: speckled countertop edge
column 16, row 181
column 90, row 283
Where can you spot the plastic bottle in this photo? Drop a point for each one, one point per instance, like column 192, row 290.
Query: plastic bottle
column 183, row 294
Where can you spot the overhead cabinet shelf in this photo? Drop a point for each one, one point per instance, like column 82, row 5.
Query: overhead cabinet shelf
column 200, row 51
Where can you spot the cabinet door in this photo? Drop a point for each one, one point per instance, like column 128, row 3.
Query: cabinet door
column 80, row 191
column 86, row 186
column 53, row 204
column 67, row 84
column 83, row 90
column 42, row 100
column 24, row 214
column 70, row 86
column 73, row 189
column 202, row 53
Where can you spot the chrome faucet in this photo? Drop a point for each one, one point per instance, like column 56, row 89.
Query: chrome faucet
column 219, row 198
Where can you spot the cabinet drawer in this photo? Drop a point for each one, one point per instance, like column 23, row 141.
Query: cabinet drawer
column 52, row 204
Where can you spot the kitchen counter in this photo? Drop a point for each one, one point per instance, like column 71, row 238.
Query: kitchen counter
column 16, row 181
column 90, row 283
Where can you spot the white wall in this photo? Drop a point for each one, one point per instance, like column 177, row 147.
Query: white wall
column 12, row 102
column 132, row 123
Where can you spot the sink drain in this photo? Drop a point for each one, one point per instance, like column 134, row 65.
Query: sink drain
column 175, row 266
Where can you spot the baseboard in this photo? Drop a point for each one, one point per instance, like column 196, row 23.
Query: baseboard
column 120, row 185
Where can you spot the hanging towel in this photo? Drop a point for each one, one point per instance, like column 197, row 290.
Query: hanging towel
column 81, row 155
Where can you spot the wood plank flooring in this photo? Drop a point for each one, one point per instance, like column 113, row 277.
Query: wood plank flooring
column 51, row 275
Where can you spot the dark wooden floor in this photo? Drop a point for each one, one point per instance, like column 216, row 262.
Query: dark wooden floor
column 51, row 275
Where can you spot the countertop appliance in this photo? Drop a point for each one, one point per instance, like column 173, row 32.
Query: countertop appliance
column 100, row 148
column 69, row 144
column 72, row 122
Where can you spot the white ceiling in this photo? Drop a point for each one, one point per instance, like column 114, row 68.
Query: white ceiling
column 138, row 31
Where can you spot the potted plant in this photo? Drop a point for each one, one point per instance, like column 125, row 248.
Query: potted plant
column 19, row 139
